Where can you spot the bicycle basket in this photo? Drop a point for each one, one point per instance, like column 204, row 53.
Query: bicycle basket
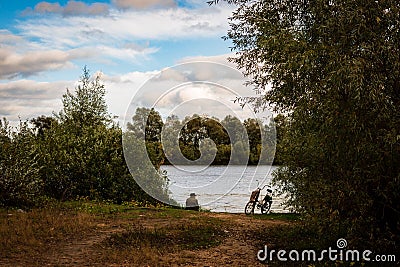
column 254, row 195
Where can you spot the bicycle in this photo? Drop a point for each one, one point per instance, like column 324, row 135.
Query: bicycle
column 264, row 205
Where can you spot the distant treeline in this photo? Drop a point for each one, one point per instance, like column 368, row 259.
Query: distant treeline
column 203, row 140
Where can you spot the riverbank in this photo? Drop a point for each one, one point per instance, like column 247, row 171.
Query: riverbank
column 96, row 234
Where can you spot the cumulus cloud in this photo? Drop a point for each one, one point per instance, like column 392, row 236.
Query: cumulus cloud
column 200, row 85
column 123, row 35
column 154, row 24
column 120, row 90
column 26, row 99
column 24, row 109
column 13, row 64
column 9, row 39
column 45, row 7
column 72, row 8
column 143, row 4
column 21, row 58
column 29, row 89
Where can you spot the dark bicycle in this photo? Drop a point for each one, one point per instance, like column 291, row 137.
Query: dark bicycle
column 264, row 205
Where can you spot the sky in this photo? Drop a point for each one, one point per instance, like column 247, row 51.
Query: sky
column 45, row 45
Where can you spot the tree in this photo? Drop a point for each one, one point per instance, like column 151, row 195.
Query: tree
column 147, row 125
column 83, row 124
column 215, row 131
column 333, row 67
column 170, row 140
column 87, row 105
column 255, row 139
column 234, row 128
column 82, row 155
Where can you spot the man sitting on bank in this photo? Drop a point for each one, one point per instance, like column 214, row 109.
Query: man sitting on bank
column 192, row 203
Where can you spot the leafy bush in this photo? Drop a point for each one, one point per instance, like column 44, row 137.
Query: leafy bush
column 20, row 182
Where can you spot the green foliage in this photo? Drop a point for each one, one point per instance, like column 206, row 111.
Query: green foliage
column 87, row 105
column 333, row 68
column 147, row 176
column 81, row 152
column 20, row 182
column 85, row 163
column 147, row 125
column 198, row 139
column 78, row 153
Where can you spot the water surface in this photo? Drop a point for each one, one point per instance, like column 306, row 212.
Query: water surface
column 220, row 188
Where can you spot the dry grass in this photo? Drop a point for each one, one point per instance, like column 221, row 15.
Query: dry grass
column 93, row 234
column 32, row 233
column 149, row 243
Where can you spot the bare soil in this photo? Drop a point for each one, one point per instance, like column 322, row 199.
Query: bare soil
column 238, row 247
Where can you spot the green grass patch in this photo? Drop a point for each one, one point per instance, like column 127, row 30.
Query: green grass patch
column 199, row 234
column 138, row 236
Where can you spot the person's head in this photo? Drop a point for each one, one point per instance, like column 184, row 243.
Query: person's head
column 192, row 195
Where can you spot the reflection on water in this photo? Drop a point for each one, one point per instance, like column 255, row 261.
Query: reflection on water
column 220, row 188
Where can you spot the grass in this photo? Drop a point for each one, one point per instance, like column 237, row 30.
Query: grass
column 188, row 235
column 38, row 231
column 278, row 216
column 35, row 231
column 127, row 235
column 160, row 233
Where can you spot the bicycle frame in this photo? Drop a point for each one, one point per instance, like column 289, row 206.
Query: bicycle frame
column 264, row 205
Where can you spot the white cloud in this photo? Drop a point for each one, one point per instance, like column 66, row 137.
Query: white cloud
column 121, row 89
column 198, row 85
column 143, row 4
column 124, row 27
column 25, row 109
column 72, row 8
column 21, row 58
column 54, row 42
column 9, row 39
column 14, row 64
column 29, row 89
column 125, row 53
column 27, row 99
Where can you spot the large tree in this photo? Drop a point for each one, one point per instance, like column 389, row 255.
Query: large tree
column 333, row 68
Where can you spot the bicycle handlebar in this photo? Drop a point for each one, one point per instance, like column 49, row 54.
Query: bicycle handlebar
column 263, row 187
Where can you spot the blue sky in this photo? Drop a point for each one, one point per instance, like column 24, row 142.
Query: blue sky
column 45, row 44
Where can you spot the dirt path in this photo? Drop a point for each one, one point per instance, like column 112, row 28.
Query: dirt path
column 236, row 249
column 79, row 252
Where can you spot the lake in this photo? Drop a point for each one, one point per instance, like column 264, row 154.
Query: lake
column 220, row 188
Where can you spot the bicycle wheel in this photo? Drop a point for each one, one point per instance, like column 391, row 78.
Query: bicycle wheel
column 249, row 209
column 265, row 207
